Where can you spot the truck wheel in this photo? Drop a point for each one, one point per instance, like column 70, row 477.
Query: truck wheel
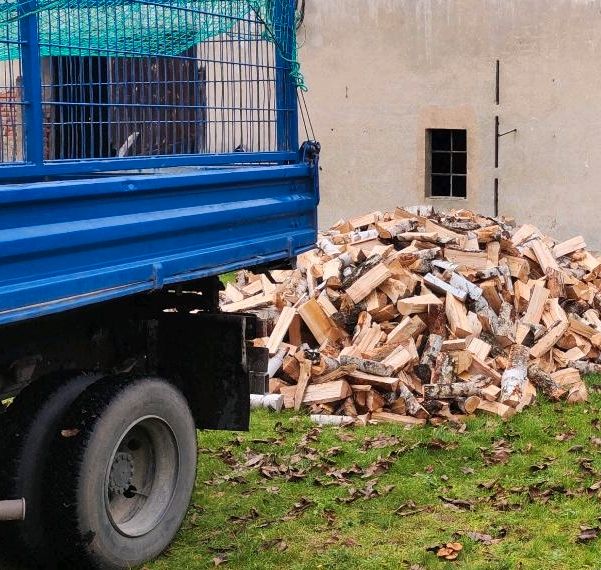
column 123, row 471
column 28, row 428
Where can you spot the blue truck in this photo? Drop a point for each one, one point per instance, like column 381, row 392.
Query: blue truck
column 146, row 147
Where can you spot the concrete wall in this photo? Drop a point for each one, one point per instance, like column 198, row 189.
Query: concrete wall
column 381, row 72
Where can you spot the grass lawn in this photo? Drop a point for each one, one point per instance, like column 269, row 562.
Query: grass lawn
column 287, row 495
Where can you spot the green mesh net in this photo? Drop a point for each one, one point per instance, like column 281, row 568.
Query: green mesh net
column 141, row 28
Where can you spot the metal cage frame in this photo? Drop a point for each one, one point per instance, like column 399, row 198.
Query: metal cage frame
column 36, row 166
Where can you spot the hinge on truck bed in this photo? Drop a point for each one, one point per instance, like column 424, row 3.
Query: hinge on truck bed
column 309, row 151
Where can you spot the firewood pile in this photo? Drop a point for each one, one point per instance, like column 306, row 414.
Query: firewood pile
column 424, row 316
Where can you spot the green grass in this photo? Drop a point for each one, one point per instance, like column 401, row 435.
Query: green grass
column 534, row 502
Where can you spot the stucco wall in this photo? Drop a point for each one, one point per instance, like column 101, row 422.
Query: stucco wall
column 381, row 72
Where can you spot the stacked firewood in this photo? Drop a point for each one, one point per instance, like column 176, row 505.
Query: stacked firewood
column 419, row 315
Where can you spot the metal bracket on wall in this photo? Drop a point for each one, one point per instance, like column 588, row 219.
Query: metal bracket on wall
column 498, row 135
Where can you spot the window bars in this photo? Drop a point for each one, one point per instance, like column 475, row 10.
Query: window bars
column 117, row 81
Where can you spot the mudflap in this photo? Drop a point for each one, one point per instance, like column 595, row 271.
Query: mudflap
column 206, row 355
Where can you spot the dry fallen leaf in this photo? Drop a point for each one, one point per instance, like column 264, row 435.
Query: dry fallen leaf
column 588, row 533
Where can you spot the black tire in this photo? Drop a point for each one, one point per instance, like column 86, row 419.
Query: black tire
column 28, row 428
column 122, row 473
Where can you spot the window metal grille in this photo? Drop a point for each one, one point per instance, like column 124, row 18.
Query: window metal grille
column 448, row 163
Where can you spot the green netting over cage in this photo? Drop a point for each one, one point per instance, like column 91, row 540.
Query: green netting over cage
column 141, row 28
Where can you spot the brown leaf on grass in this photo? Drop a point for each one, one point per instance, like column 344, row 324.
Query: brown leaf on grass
column 436, row 444
column 311, row 436
column 219, row 560
column 299, row 508
column 330, row 516
column 545, row 464
column 498, row 453
column 344, row 474
column 467, row 470
column 379, row 442
column 252, row 515
column 576, row 449
column 459, row 503
column 254, row 459
column 333, row 451
column 588, row 533
column 566, row 436
column 409, row 508
column 596, row 441
column 281, row 429
column 275, row 544
column 380, row 466
column 272, row 490
column 586, row 464
column 346, row 436
column 485, row 539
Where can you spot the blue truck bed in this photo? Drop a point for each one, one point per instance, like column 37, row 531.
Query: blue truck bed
column 169, row 156
column 70, row 243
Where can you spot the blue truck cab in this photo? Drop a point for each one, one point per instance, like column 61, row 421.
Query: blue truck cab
column 146, row 147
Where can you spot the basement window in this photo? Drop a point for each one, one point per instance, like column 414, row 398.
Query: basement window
column 447, row 168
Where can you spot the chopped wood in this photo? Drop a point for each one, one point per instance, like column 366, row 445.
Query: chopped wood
column 545, row 382
column 451, row 391
column 318, row 393
column 387, row 417
column 457, row 317
column 303, row 381
column 372, row 367
column 253, row 302
column 569, row 246
column 368, row 282
column 320, row 325
column 427, row 314
column 418, row 304
column 547, row 342
column 443, row 287
column 515, row 375
column 497, row 408
column 389, row 384
column 281, row 328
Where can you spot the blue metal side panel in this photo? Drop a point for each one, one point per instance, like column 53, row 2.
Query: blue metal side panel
column 70, row 243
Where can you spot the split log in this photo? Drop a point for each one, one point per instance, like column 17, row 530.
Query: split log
column 281, row 328
column 467, row 405
column 268, row 401
column 578, row 394
column 325, row 420
column 386, row 384
column 368, row 366
column 451, row 391
column 444, row 369
column 542, row 380
column 414, row 408
column 407, row 421
column 546, row 343
column 368, row 282
column 443, row 287
column 428, row 359
column 514, row 378
column 340, row 372
column 586, row 367
column 318, row 393
column 457, row 317
column 497, row 408
column 303, row 382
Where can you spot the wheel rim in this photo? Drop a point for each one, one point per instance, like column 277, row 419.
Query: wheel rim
column 142, row 476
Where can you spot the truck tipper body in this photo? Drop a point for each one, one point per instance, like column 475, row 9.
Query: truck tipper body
column 146, row 148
